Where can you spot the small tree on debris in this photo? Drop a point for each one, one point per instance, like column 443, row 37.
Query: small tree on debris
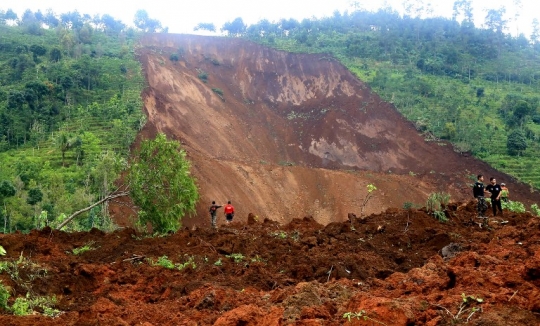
column 161, row 184
column 370, row 189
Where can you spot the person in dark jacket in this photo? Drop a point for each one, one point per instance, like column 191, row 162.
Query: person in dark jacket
column 229, row 212
column 495, row 190
column 479, row 193
column 213, row 214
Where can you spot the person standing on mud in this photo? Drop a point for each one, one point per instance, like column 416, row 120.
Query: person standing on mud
column 504, row 193
column 213, row 214
column 479, row 193
column 495, row 191
column 229, row 212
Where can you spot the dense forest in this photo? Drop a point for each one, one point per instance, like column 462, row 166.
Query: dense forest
column 70, row 89
column 70, row 107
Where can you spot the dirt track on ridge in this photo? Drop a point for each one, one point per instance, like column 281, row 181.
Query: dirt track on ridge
column 292, row 135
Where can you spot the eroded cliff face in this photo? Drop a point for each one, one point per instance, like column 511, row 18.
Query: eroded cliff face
column 286, row 135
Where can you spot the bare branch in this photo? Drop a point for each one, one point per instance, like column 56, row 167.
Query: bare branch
column 106, row 198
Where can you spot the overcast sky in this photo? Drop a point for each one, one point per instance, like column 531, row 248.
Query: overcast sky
column 182, row 15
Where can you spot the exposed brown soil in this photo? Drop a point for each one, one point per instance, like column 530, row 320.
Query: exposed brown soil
column 392, row 266
column 293, row 143
column 293, row 134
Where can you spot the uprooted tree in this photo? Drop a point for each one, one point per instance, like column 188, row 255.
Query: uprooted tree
column 159, row 183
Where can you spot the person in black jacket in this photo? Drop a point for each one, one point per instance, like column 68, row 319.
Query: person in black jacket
column 213, row 214
column 479, row 193
column 495, row 190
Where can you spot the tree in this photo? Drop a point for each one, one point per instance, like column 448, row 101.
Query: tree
column 235, row 28
column 463, row 8
column 205, row 27
column 6, row 190
column 145, row 23
column 517, row 142
column 161, row 184
column 34, row 196
column 535, row 34
column 65, row 142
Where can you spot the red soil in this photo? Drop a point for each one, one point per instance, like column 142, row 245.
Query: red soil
column 389, row 265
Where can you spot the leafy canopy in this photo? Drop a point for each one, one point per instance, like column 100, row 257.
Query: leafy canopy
column 161, row 184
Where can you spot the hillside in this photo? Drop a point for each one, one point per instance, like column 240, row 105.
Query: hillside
column 287, row 135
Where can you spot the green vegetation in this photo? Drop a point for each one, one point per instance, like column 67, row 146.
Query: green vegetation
column 360, row 315
column 469, row 305
column 70, row 107
column 237, row 257
column 436, row 205
column 161, row 184
column 514, row 206
column 165, row 262
column 218, row 91
column 477, row 88
column 203, row 76
column 24, row 272
column 370, row 189
column 83, row 249
column 535, row 210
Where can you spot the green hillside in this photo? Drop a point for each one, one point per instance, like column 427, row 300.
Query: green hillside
column 70, row 107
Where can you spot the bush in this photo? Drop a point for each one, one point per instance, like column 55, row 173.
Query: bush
column 203, row 76
column 513, row 206
column 218, row 91
column 4, row 297
column 535, row 210
column 436, row 205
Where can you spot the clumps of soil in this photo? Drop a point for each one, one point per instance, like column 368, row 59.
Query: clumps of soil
column 400, row 267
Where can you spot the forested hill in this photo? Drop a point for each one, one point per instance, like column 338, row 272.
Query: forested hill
column 476, row 87
column 70, row 107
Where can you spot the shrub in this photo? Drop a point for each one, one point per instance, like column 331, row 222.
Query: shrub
column 535, row 210
column 513, row 206
column 436, row 205
column 203, row 76
column 4, row 297
column 218, row 91
column 83, row 249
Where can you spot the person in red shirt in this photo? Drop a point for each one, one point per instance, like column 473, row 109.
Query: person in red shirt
column 229, row 211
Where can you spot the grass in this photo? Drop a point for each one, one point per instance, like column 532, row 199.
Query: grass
column 83, row 249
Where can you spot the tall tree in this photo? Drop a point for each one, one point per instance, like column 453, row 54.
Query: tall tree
column 463, row 8
column 143, row 21
column 161, row 184
column 235, row 28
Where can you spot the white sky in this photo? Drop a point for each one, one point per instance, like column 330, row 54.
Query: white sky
column 182, row 15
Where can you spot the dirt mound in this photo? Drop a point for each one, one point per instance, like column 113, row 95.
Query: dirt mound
column 287, row 135
column 400, row 267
